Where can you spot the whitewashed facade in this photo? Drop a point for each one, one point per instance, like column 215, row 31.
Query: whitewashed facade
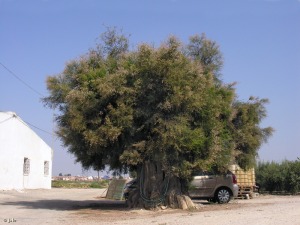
column 25, row 159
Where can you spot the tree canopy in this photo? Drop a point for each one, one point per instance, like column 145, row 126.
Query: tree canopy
column 165, row 104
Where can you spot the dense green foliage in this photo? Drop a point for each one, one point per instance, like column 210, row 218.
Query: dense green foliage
column 166, row 105
column 79, row 184
column 282, row 177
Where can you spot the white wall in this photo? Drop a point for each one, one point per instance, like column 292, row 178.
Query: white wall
column 18, row 141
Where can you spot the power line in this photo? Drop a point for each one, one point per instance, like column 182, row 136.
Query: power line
column 31, row 88
column 22, row 81
column 40, row 129
column 3, row 121
column 26, row 123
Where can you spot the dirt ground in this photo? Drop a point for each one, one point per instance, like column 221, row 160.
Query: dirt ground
column 85, row 206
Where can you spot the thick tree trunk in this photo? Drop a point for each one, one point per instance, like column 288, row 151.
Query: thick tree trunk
column 156, row 189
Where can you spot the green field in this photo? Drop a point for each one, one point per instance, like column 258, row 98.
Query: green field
column 79, row 184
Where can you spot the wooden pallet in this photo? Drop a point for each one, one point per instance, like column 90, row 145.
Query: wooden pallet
column 245, row 192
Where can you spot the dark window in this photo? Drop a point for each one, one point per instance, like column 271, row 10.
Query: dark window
column 26, row 166
column 46, row 168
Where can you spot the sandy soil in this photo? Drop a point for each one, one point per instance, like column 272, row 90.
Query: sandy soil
column 85, row 206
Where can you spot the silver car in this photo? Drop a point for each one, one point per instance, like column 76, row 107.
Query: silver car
column 214, row 187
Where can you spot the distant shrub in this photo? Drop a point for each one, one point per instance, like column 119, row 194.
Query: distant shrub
column 279, row 177
column 99, row 184
column 79, row 184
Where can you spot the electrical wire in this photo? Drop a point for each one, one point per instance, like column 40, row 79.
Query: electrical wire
column 26, row 123
column 22, row 81
column 39, row 128
column 3, row 121
column 31, row 88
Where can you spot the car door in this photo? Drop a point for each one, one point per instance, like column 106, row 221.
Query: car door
column 203, row 184
column 196, row 186
column 209, row 183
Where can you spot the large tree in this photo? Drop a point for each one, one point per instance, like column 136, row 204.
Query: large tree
column 160, row 111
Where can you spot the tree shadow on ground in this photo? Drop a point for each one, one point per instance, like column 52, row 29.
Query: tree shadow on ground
column 62, row 205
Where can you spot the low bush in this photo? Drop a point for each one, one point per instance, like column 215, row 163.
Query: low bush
column 79, row 184
column 279, row 177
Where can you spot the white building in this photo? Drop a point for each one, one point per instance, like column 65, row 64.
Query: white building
column 25, row 159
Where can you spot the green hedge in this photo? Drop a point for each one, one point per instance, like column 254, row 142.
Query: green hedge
column 279, row 177
column 79, row 184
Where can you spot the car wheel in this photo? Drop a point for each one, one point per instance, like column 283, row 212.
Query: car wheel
column 223, row 196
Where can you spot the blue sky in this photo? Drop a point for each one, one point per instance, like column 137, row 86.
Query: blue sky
column 260, row 41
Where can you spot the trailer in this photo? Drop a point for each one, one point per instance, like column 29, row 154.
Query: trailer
column 245, row 180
